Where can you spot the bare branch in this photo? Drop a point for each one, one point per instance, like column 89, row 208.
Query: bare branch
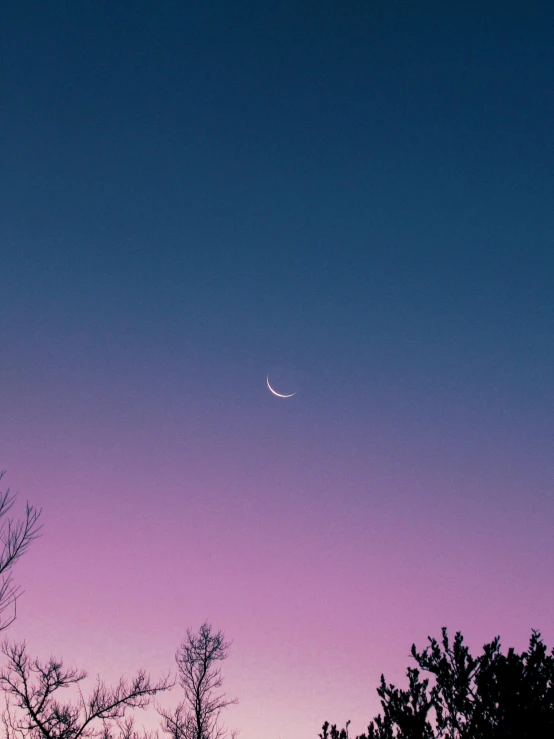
column 15, row 537
column 31, row 685
column 197, row 717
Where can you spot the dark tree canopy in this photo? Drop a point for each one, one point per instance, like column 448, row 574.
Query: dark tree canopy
column 493, row 696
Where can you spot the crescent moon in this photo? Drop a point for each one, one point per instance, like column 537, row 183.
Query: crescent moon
column 279, row 395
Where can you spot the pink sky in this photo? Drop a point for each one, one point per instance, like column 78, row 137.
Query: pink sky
column 321, row 566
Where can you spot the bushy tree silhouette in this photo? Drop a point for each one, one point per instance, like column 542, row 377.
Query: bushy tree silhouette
column 33, row 710
column 331, row 732
column 198, row 714
column 15, row 538
column 493, row 696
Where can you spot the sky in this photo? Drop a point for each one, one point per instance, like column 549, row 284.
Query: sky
column 354, row 198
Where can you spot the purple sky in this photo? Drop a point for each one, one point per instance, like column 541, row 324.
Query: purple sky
column 361, row 195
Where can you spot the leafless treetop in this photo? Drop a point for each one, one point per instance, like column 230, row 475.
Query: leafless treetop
column 15, row 537
column 34, row 711
column 197, row 716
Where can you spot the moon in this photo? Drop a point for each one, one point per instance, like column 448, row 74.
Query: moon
column 279, row 395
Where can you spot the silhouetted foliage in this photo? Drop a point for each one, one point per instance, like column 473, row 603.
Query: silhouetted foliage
column 198, row 714
column 331, row 732
column 33, row 710
column 493, row 696
column 15, row 537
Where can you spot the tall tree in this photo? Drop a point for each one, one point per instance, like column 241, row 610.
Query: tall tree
column 34, row 711
column 198, row 661
column 493, row 696
column 15, row 538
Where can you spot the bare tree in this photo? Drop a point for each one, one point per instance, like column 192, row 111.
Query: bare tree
column 33, row 711
column 198, row 714
column 15, row 538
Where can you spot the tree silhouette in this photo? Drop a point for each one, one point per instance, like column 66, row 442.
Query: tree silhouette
column 33, row 710
column 198, row 714
column 493, row 696
column 331, row 732
column 15, row 537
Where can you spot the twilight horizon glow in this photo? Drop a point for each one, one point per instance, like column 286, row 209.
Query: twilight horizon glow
column 193, row 195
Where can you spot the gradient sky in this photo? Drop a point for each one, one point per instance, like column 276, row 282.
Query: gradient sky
column 361, row 193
